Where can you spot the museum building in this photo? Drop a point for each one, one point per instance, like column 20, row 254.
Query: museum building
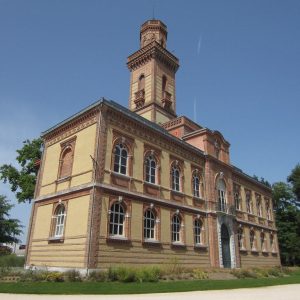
column 143, row 186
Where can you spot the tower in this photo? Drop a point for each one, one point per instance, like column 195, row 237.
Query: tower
column 153, row 68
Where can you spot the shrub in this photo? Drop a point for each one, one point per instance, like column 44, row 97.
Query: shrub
column 148, row 274
column 173, row 267
column 55, row 277
column 200, row 274
column 98, row 276
column 125, row 274
column 72, row 276
column 12, row 260
column 34, row 276
column 244, row 273
column 112, row 274
column 275, row 272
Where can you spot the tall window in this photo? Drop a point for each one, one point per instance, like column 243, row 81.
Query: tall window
column 241, row 238
column 252, row 238
column 149, row 225
column 258, row 205
column 272, row 243
column 141, row 82
column 268, row 210
column 59, row 221
column 176, row 228
column 120, row 159
column 116, row 221
column 150, row 169
column 164, row 84
column 175, row 173
column 248, row 202
column 222, row 194
column 197, row 231
column 262, row 241
column 66, row 163
column 196, row 186
column 237, row 198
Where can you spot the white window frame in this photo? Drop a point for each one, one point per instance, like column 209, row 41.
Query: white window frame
column 149, row 225
column 60, row 214
column 176, row 229
column 196, row 186
column 198, row 232
column 176, row 186
column 222, row 194
column 120, row 159
column 117, row 216
column 150, row 171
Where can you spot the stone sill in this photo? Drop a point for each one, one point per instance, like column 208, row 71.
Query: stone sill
column 123, row 176
column 200, row 247
column 55, row 240
column 178, row 245
column 152, row 243
column 118, row 239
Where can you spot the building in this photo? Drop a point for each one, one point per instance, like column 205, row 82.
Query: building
column 142, row 186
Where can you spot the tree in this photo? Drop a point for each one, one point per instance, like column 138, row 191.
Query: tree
column 294, row 180
column 287, row 214
column 22, row 182
column 9, row 228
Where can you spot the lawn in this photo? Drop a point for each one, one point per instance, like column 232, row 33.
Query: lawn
column 139, row 288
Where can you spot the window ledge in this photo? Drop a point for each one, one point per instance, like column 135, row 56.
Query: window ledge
column 53, row 240
column 178, row 245
column 149, row 242
column 179, row 193
column 200, row 247
column 153, row 185
column 198, row 199
column 118, row 239
column 123, row 176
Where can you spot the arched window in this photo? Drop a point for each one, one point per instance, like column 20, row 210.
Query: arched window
column 116, row 220
column 149, row 225
column 241, row 238
column 237, row 197
column 197, row 232
column 59, row 221
column 268, row 210
column 120, row 159
column 221, row 194
column 252, row 240
column 258, row 206
column 66, row 161
column 248, row 202
column 175, row 173
column 262, row 241
column 150, row 170
column 176, row 229
column 196, row 185
column 141, row 82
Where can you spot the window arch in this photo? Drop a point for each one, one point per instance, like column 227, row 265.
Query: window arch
column 120, row 159
column 141, row 84
column 59, row 221
column 262, row 242
column 252, row 240
column 175, row 178
column 149, row 225
column 150, row 169
column 221, row 187
column 198, row 232
column 176, row 229
column 241, row 238
column 117, row 220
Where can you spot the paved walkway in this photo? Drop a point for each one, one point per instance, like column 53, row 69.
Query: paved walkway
column 280, row 292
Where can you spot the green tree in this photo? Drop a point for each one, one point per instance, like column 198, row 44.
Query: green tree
column 294, row 180
column 287, row 212
column 22, row 182
column 9, row 228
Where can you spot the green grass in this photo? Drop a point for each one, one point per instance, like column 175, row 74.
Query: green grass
column 138, row 288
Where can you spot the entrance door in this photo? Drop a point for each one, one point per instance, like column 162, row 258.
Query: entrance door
column 225, row 241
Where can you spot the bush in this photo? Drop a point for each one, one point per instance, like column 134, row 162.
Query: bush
column 34, row 276
column 99, row 276
column 148, row 274
column 173, row 267
column 244, row 273
column 72, row 276
column 12, row 260
column 200, row 274
column 55, row 277
column 125, row 274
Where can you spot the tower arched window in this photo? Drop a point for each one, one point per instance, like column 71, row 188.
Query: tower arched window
column 176, row 229
column 197, row 232
column 116, row 219
column 150, row 169
column 141, row 84
column 149, row 225
column 120, row 159
column 66, row 161
column 221, row 187
column 59, row 221
column 175, row 174
column 164, row 84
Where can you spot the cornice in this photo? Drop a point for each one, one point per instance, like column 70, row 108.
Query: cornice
column 152, row 50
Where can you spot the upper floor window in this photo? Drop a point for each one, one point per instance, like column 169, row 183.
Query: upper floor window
column 252, row 240
column 237, row 197
column 141, row 84
column 176, row 228
column 59, row 221
column 221, row 187
column 164, row 84
column 116, row 219
column 149, row 225
column 249, row 202
column 197, row 184
column 175, row 173
column 268, row 210
column 66, row 158
column 258, row 205
column 120, row 159
column 197, row 231
column 150, row 170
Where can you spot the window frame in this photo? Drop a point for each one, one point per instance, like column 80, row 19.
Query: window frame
column 148, row 176
column 53, row 236
column 198, row 232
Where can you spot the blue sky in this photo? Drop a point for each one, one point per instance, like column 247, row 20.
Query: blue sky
column 239, row 62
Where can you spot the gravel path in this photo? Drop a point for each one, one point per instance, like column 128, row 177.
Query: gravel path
column 280, row 292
